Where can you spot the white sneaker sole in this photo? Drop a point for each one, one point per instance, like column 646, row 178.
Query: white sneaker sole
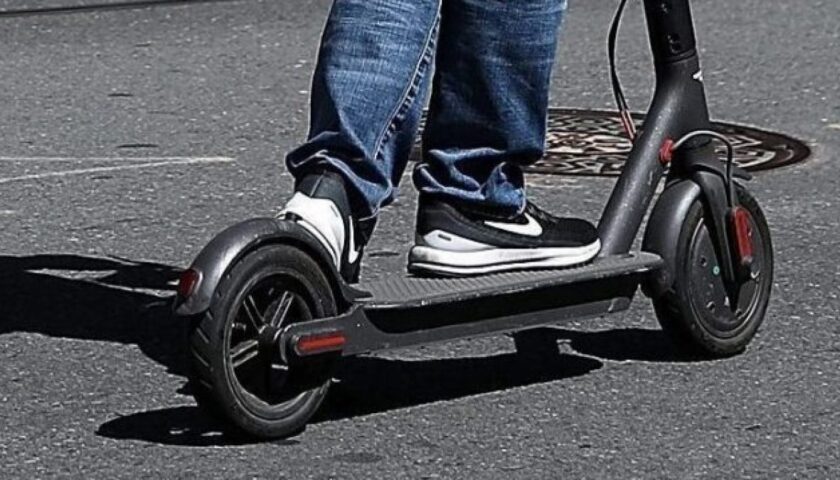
column 461, row 263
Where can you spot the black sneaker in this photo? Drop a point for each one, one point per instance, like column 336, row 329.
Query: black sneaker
column 459, row 241
column 321, row 206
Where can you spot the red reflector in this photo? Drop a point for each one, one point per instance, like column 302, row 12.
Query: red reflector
column 743, row 235
column 666, row 151
column 320, row 343
column 188, row 282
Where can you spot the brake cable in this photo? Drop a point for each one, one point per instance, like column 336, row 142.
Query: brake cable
column 629, row 124
column 623, row 108
column 730, row 157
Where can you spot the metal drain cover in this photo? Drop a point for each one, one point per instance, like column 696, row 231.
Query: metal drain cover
column 591, row 143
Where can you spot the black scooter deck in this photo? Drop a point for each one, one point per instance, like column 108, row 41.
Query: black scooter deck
column 410, row 311
column 417, row 292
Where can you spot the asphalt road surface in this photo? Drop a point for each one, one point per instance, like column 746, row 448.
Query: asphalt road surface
column 129, row 137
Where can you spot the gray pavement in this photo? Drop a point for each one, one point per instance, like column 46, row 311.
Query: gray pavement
column 170, row 123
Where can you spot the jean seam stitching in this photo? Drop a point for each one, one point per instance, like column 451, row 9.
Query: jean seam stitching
column 410, row 93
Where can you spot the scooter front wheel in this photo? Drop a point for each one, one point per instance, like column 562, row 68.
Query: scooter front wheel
column 697, row 312
column 237, row 369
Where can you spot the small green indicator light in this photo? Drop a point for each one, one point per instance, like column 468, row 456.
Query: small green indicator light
column 716, row 270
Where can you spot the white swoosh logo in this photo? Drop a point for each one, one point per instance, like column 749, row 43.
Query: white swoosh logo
column 531, row 229
column 353, row 254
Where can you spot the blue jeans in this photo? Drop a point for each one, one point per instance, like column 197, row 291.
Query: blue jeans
column 491, row 61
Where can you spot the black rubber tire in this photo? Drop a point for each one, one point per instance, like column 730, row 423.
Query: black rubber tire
column 213, row 382
column 677, row 310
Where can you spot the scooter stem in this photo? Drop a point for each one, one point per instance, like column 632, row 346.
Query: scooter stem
column 678, row 107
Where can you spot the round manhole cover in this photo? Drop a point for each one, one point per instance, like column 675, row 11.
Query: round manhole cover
column 592, row 143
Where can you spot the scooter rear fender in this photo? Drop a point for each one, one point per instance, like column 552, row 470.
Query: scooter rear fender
column 240, row 239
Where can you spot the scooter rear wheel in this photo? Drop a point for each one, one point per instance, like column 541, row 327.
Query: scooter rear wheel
column 695, row 312
column 237, row 369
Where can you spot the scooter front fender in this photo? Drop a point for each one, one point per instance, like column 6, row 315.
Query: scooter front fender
column 663, row 233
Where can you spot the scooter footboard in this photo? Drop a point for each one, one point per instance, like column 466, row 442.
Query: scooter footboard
column 415, row 311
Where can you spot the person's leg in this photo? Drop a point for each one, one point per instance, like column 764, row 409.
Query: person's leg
column 367, row 96
column 487, row 120
column 487, row 115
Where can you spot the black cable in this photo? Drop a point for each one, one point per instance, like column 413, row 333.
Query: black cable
column 730, row 157
column 618, row 92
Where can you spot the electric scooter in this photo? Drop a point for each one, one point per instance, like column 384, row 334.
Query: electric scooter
column 269, row 316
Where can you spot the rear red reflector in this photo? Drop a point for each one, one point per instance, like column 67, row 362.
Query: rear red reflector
column 320, row 343
column 743, row 236
column 188, row 282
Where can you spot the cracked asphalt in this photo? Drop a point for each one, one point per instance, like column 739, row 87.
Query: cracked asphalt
column 130, row 136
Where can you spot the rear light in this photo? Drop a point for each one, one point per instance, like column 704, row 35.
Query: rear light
column 188, row 282
column 320, row 343
column 743, row 236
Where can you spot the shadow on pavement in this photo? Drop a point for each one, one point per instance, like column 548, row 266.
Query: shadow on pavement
column 370, row 385
column 93, row 298
column 626, row 344
column 116, row 300
column 186, row 426
column 366, row 385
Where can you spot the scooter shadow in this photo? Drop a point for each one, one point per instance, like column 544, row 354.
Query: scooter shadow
column 93, row 298
column 368, row 385
column 363, row 386
column 117, row 300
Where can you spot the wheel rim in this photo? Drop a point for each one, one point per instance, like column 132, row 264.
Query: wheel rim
column 707, row 292
column 262, row 380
